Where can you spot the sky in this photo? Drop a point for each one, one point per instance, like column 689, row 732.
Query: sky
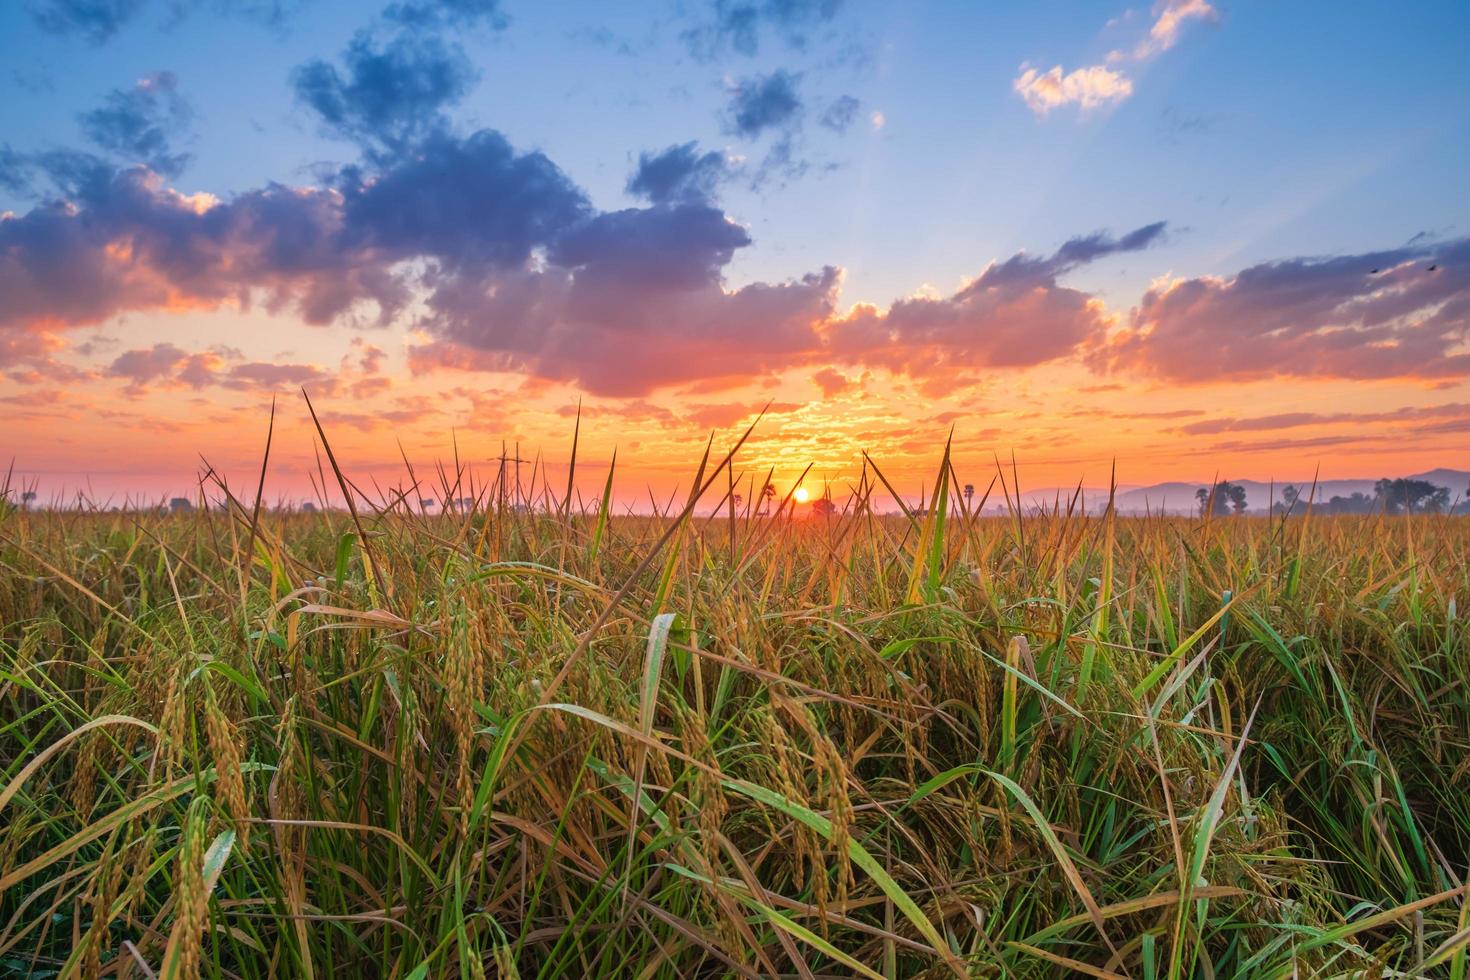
column 1198, row 238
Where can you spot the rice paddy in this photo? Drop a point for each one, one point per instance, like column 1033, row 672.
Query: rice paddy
column 538, row 739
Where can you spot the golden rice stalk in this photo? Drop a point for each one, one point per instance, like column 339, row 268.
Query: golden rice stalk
column 173, row 720
column 461, row 681
column 226, row 748
column 191, row 909
column 834, row 774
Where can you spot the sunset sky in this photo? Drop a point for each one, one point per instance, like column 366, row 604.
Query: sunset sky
column 1198, row 237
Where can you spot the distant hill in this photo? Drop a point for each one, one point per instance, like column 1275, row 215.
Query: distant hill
column 1178, row 497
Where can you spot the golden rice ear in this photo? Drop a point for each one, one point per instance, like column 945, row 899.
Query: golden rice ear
column 182, row 957
column 227, row 750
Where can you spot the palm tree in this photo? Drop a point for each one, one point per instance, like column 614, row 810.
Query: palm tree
column 768, row 494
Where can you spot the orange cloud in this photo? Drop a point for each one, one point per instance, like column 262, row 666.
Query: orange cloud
column 1087, row 88
column 1399, row 313
column 1170, row 17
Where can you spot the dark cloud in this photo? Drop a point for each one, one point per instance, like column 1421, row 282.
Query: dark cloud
column 129, row 243
column 1014, row 314
column 679, row 175
column 841, row 114
column 740, row 25
column 387, row 97
column 470, row 203
column 516, row 271
column 1308, row 317
column 141, row 123
column 695, row 334
column 514, row 266
column 764, row 102
column 99, row 21
column 430, row 14
column 625, row 302
column 642, row 252
column 14, row 170
column 1022, row 268
column 95, row 20
column 120, row 240
column 70, row 173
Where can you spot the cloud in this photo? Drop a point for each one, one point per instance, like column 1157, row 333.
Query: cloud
column 14, row 170
column 1014, row 314
column 1087, row 88
column 370, row 359
column 764, row 102
column 1293, row 420
column 27, row 358
column 388, row 97
column 1169, row 18
column 504, row 263
column 140, row 124
column 166, row 365
column 123, row 241
column 99, row 21
column 433, row 14
column 95, row 20
column 513, row 270
column 1095, row 86
column 833, row 382
column 679, row 175
column 26, row 347
column 144, row 366
column 511, row 261
column 1307, row 317
column 740, row 24
column 614, row 311
column 840, row 115
column 627, row 256
column 126, row 243
column 471, row 203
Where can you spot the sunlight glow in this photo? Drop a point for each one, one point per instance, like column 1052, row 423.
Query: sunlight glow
column 800, row 495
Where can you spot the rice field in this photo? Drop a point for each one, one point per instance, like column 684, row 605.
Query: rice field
column 534, row 738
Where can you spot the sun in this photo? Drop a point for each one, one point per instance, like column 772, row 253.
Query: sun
column 800, row 495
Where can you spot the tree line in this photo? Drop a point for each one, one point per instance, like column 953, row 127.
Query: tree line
column 1390, row 496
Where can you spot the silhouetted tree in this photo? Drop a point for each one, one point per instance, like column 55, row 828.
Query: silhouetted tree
column 1227, row 497
column 26, row 498
column 768, row 495
column 1405, row 496
column 1289, row 497
column 1357, row 503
